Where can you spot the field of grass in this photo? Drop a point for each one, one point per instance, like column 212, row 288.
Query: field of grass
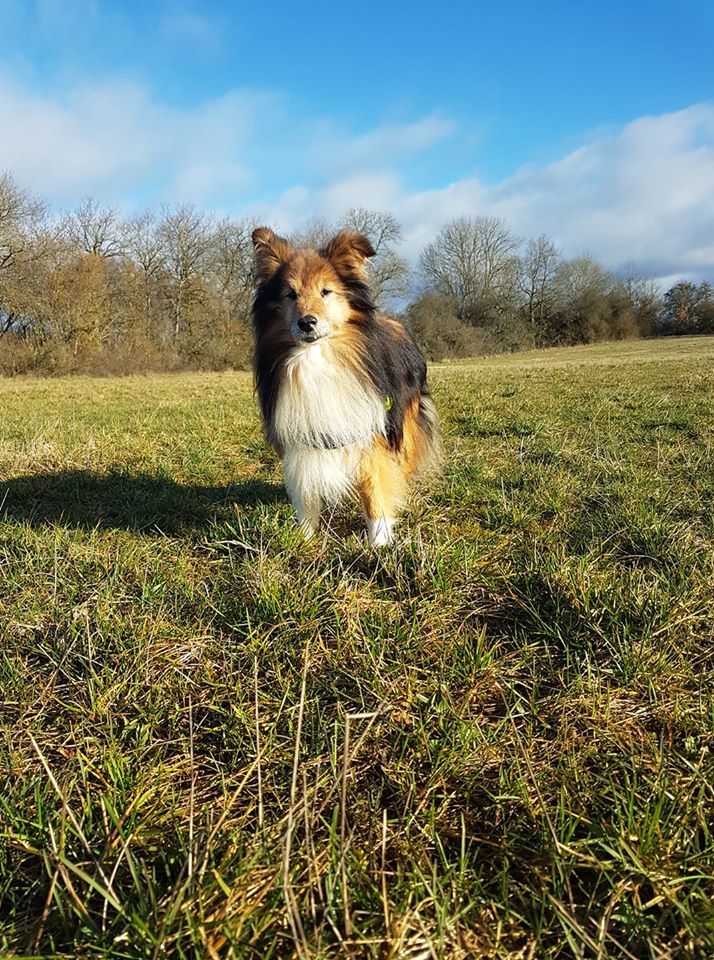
column 494, row 740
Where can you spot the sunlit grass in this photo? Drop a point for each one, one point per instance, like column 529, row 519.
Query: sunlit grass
column 493, row 740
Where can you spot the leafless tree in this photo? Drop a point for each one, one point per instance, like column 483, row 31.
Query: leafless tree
column 468, row 261
column 21, row 216
column 144, row 246
column 314, row 235
column 188, row 239
column 23, row 243
column 582, row 309
column 233, row 257
column 388, row 271
column 143, row 243
column 96, row 229
column 537, row 271
column 580, row 277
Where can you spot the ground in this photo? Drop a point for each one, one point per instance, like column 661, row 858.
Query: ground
column 492, row 740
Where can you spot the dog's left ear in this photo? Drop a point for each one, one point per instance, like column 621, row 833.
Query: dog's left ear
column 349, row 251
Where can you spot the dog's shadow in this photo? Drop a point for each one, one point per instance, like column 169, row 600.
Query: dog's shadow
column 126, row 501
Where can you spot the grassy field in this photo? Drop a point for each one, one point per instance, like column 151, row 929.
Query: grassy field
column 493, row 740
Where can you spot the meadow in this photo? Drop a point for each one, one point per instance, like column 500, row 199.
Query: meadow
column 494, row 739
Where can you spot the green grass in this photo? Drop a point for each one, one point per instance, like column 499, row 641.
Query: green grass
column 493, row 740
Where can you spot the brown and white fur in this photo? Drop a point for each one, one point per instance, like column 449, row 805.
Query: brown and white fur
column 342, row 390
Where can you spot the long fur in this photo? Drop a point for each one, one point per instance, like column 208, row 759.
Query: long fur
column 350, row 412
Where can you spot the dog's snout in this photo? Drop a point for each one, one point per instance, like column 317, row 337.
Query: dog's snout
column 307, row 323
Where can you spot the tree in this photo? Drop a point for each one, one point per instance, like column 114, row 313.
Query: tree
column 388, row 271
column 188, row 240
column 582, row 312
column 705, row 309
column 231, row 275
column 537, row 273
column 23, row 242
column 20, row 216
column 315, row 235
column 439, row 332
column 471, row 261
column 645, row 298
column 144, row 245
column 232, row 264
column 687, row 308
column 95, row 229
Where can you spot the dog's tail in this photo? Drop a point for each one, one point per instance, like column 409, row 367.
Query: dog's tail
column 421, row 447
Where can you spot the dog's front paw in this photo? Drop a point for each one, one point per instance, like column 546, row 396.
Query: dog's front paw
column 309, row 528
column 380, row 532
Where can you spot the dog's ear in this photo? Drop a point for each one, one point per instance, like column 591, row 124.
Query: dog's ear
column 348, row 252
column 271, row 251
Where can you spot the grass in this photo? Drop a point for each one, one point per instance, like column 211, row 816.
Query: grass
column 493, row 740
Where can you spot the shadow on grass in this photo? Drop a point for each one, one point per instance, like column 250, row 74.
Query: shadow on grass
column 119, row 500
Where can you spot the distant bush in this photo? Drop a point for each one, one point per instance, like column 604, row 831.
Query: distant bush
column 439, row 332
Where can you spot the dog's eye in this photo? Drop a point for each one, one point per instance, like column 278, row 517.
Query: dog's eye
column 291, row 295
column 326, row 291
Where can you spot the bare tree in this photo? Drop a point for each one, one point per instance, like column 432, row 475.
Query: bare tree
column 95, row 229
column 233, row 256
column 232, row 267
column 188, row 239
column 582, row 310
column 316, row 234
column 537, row 271
column 143, row 244
column 21, row 216
column 23, row 238
column 468, row 261
column 388, row 271
column 645, row 297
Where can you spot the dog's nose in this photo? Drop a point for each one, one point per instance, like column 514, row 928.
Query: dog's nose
column 307, row 323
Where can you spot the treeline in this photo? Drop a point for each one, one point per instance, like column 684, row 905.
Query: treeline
column 487, row 291
column 93, row 292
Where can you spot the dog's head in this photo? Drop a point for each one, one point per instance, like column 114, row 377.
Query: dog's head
column 312, row 293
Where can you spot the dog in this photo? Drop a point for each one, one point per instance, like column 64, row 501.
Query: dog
column 342, row 390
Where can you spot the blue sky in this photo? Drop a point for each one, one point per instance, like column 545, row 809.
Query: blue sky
column 593, row 122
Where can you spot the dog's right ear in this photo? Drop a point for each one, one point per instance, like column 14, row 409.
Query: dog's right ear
column 271, row 251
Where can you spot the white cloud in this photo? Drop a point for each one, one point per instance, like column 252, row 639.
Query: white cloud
column 644, row 194
column 332, row 151
column 641, row 195
column 115, row 142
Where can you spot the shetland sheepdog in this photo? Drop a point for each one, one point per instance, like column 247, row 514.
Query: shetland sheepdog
column 342, row 390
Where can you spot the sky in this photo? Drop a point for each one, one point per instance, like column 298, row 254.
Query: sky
column 591, row 122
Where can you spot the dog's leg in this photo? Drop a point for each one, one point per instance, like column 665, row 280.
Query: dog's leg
column 300, row 487
column 308, row 518
column 380, row 532
column 307, row 511
column 382, row 488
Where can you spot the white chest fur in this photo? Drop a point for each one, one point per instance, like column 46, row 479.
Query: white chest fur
column 322, row 403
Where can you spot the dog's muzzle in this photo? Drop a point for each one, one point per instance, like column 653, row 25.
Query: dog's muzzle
column 308, row 329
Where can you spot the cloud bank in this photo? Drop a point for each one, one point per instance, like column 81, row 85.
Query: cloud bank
column 641, row 195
